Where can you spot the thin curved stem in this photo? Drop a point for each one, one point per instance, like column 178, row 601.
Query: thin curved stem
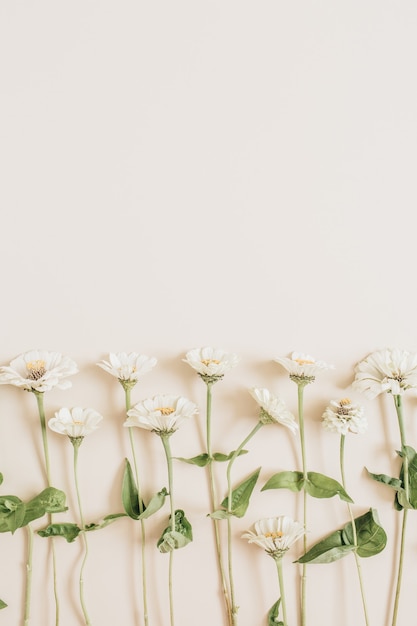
column 167, row 448
column 29, row 562
column 354, row 532
column 282, row 590
column 234, row 608
column 76, row 443
column 399, row 409
column 140, row 504
column 213, row 505
column 41, row 411
column 300, row 387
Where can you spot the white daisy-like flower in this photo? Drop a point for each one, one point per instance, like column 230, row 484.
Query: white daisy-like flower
column 386, row 371
column 275, row 534
column 76, row 422
column 302, row 367
column 127, row 368
column 211, row 363
column 161, row 414
column 343, row 417
column 273, row 409
column 39, row 371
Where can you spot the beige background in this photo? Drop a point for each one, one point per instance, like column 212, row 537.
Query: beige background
column 178, row 174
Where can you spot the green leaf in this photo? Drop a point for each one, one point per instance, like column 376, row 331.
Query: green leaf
column 67, row 530
column 106, row 521
column 328, row 550
column 219, row 456
column 394, row 483
column 12, row 513
column 1, row 480
column 50, row 500
column 155, row 503
column 412, row 479
column 285, row 480
column 130, row 497
column 220, row 514
column 178, row 538
column 241, row 496
column 371, row 537
column 2, row 604
column 321, row 486
column 201, row 460
column 273, row 615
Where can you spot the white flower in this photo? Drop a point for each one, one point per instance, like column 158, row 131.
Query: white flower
column 275, row 534
column 273, row 409
column 162, row 414
column 39, row 371
column 211, row 363
column 76, row 422
column 302, row 366
column 128, row 367
column 343, row 417
column 389, row 370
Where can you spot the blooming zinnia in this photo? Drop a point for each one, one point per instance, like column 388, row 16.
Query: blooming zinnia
column 302, row 366
column 343, row 417
column 211, row 363
column 75, row 422
column 386, row 371
column 161, row 414
column 275, row 534
column 128, row 367
column 39, row 371
column 273, row 409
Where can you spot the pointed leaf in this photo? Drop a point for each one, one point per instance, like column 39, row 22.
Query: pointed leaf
column 2, row 604
column 50, row 500
column 285, row 480
column 371, row 537
column 201, row 460
column 412, row 479
column 219, row 456
column 241, row 496
column 220, row 514
column 321, row 486
column 67, row 530
column 155, row 503
column 178, row 538
column 273, row 615
column 328, row 550
column 12, row 513
column 1, row 480
column 130, row 497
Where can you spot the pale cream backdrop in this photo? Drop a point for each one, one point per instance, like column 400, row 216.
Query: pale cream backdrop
column 177, row 174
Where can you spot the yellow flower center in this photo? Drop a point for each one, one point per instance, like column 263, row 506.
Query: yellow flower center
column 274, row 535
column 165, row 410
column 344, row 401
column 77, row 423
column 209, row 361
column 304, row 362
column 36, row 369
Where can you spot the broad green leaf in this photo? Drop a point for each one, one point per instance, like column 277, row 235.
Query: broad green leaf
column 106, row 521
column 273, row 615
column 67, row 530
column 130, row 497
column 2, row 604
column 241, row 496
column 12, row 513
column 285, row 480
column 178, row 538
column 155, row 503
column 412, row 479
column 1, row 480
column 328, row 550
column 394, row 483
column 371, row 537
column 50, row 500
column 219, row 456
column 201, row 460
column 321, row 486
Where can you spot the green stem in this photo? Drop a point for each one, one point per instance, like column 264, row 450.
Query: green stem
column 282, row 590
column 300, row 386
column 213, row 503
column 167, row 448
column 41, row 411
column 234, row 608
column 28, row 575
column 355, row 536
column 399, row 409
column 76, row 443
column 140, row 503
